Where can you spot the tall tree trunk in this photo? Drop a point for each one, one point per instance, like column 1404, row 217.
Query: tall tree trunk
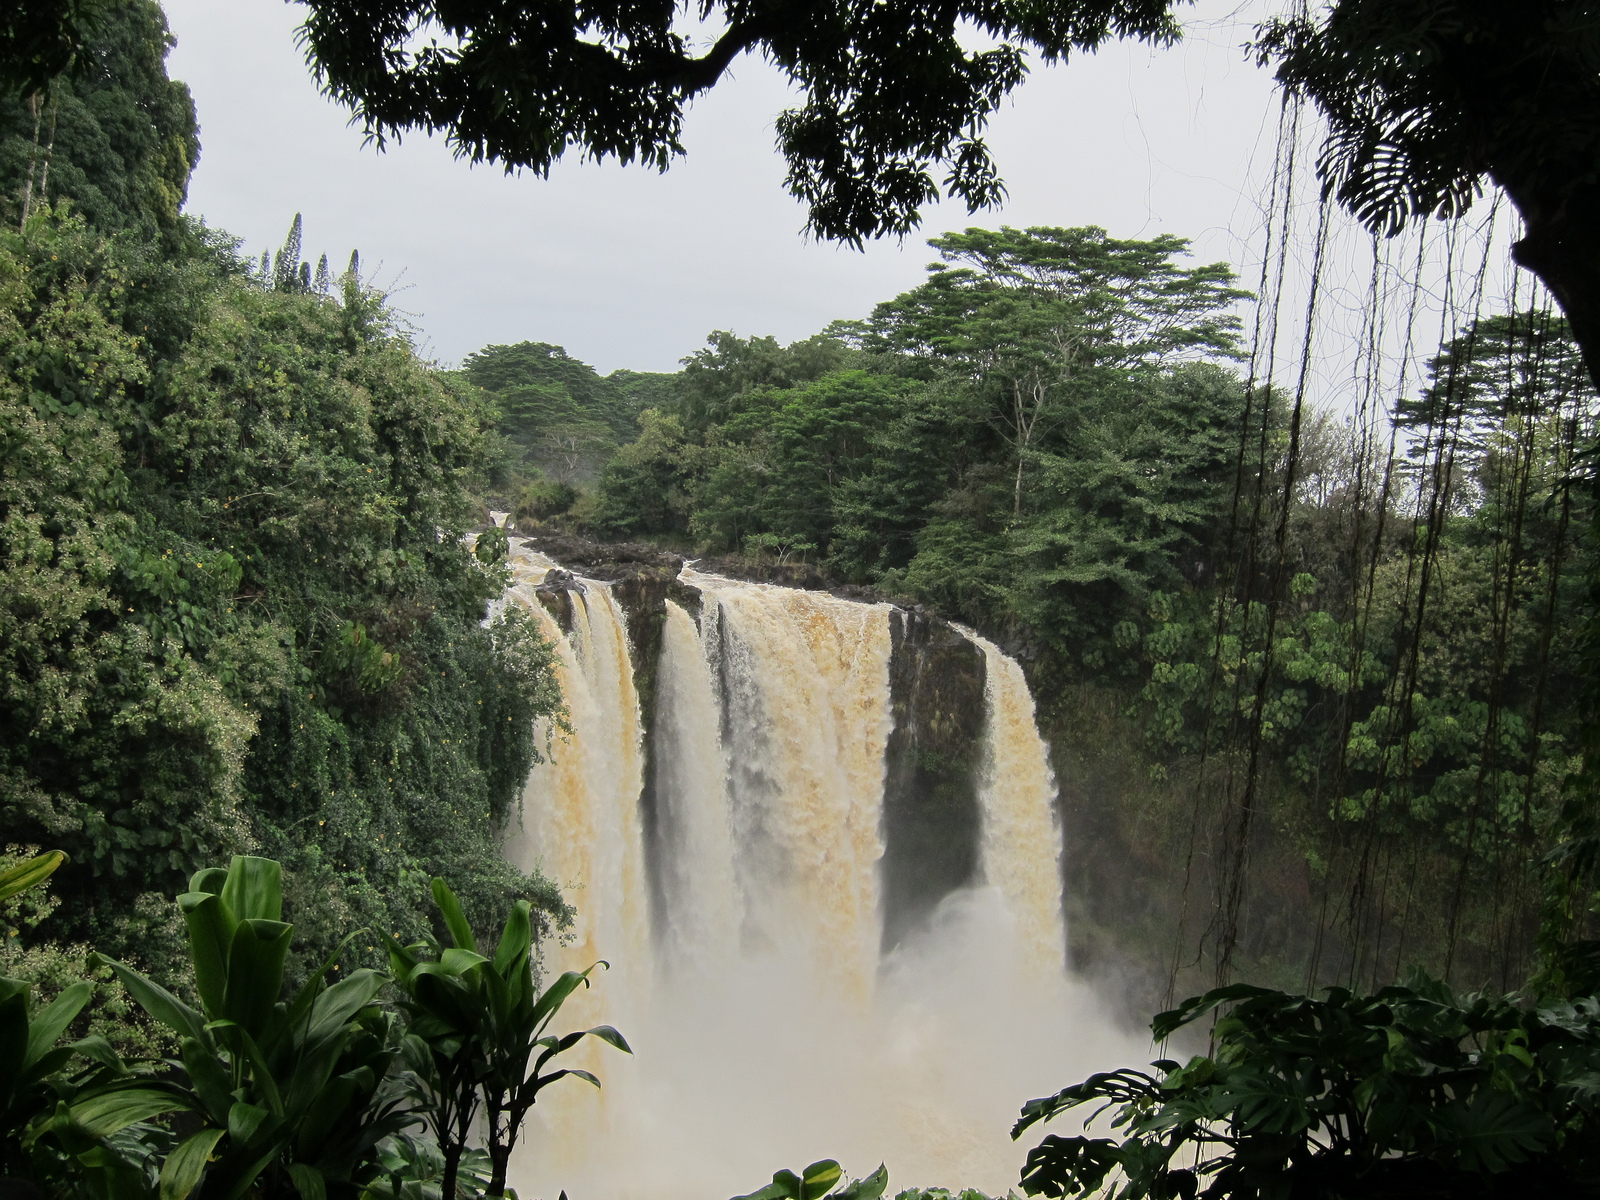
column 33, row 160
column 1562, row 248
column 50, row 144
column 500, row 1159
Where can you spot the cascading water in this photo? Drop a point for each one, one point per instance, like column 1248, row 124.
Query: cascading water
column 768, row 1028
column 1021, row 839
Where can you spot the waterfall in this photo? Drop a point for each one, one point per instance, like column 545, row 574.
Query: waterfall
column 735, row 887
column 705, row 916
column 1021, row 839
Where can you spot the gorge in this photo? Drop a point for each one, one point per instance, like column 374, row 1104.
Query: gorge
column 815, row 840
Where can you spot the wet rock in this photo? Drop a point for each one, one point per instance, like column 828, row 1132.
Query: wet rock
column 931, row 814
column 560, row 580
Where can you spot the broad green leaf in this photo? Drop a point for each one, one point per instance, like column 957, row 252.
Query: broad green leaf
column 254, row 889
column 495, row 993
column 187, row 1163
column 111, row 1110
column 516, row 942
column 1495, row 1131
column 255, row 972
column 460, row 931
column 25, row 875
column 818, row 1178
column 244, row 1119
column 869, row 1188
column 785, row 1185
column 402, row 961
column 312, row 1072
column 96, row 1049
column 242, row 1046
column 773, row 1191
column 211, row 930
column 312, row 986
column 308, row 1182
column 48, row 1025
column 459, row 962
column 334, row 1008
column 46, row 1065
column 209, row 1077
column 157, row 1001
column 318, row 1119
column 209, row 879
column 610, row 1036
column 232, row 1178
column 556, row 994
column 444, row 996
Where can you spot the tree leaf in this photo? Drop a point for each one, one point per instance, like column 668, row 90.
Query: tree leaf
column 24, row 875
column 48, row 1025
column 187, row 1163
column 254, row 889
column 460, row 930
column 110, row 1111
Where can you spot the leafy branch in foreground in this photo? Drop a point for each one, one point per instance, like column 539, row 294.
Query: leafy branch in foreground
column 815, row 1181
column 283, row 1092
column 476, row 1023
column 1410, row 1091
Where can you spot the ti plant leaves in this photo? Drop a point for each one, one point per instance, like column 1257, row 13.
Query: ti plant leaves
column 288, row 1088
column 815, row 1182
column 479, row 1036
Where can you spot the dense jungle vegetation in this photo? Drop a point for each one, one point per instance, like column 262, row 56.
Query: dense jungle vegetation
column 236, row 610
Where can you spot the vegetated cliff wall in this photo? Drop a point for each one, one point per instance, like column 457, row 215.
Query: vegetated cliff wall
column 1138, row 882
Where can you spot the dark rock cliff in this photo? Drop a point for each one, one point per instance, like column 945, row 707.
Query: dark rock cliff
column 930, row 797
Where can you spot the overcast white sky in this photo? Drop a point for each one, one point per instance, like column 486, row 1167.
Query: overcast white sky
column 628, row 268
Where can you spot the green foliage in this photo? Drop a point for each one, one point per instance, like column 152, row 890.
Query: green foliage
column 1425, row 99
column 1406, row 1092
column 542, row 498
column 113, row 134
column 39, row 39
column 560, row 417
column 235, row 603
column 891, row 95
column 478, row 1037
column 1035, row 433
column 19, row 877
column 284, row 1087
column 817, row 1181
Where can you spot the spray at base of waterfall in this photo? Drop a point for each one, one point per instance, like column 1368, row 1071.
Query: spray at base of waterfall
column 759, row 1064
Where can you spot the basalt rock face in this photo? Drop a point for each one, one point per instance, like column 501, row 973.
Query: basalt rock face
column 931, row 810
column 930, row 794
column 642, row 578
